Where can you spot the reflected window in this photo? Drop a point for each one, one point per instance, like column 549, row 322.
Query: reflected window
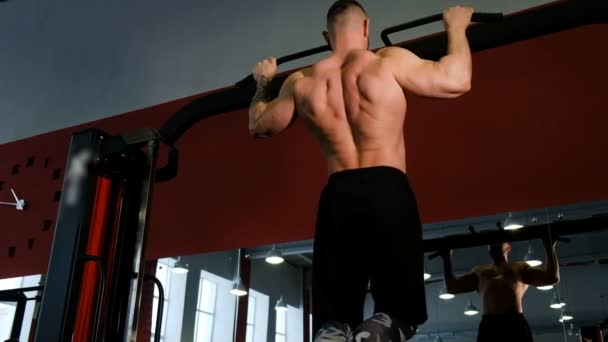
column 250, row 319
column 205, row 310
column 257, row 317
column 215, row 309
column 163, row 274
column 281, row 327
column 294, row 324
column 174, row 286
column 7, row 309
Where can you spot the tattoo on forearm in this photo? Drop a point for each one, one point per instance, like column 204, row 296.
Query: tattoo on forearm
column 262, row 93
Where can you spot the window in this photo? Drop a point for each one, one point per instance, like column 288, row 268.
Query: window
column 205, row 310
column 215, row 309
column 257, row 317
column 7, row 309
column 295, row 324
column 250, row 319
column 281, row 327
column 174, row 286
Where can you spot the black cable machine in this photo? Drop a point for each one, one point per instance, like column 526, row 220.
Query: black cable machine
column 94, row 280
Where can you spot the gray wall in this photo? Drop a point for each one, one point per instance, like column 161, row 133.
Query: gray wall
column 66, row 62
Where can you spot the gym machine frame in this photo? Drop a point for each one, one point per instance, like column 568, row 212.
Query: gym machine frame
column 96, row 270
column 103, row 216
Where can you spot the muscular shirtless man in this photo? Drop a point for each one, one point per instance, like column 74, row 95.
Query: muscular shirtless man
column 502, row 286
column 368, row 229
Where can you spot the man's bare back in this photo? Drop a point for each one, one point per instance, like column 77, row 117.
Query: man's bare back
column 354, row 101
column 355, row 109
column 501, row 288
column 502, row 285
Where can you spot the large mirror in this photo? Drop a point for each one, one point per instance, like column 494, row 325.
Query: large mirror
column 263, row 294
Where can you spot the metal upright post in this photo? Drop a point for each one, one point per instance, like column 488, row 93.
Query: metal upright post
column 57, row 311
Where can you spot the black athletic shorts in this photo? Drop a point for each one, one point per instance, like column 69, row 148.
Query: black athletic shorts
column 368, row 231
column 504, row 327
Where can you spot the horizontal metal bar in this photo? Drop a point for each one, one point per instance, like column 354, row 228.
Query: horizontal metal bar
column 483, row 238
column 536, row 22
column 468, row 240
column 477, row 18
column 23, row 289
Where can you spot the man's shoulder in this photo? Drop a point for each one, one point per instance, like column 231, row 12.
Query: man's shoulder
column 393, row 51
column 298, row 75
column 520, row 265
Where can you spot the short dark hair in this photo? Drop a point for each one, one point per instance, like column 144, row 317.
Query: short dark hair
column 340, row 7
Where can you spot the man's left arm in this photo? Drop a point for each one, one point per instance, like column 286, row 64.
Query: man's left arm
column 543, row 276
column 268, row 117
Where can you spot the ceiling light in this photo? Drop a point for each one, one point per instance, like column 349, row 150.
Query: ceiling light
column 445, row 295
column 274, row 257
column 470, row 309
column 531, row 258
column 565, row 316
column 280, row 306
column 511, row 223
column 238, row 289
column 180, row 267
column 427, row 276
column 557, row 303
column 545, row 288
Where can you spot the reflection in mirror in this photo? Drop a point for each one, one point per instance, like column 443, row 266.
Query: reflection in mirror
column 458, row 317
column 201, row 303
column 19, row 302
column 198, row 303
column 581, row 271
column 282, row 285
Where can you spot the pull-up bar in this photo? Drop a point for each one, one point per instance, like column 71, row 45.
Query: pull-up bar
column 551, row 18
column 477, row 18
column 556, row 230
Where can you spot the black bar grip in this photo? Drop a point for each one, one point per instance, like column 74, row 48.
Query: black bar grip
column 249, row 79
column 245, row 81
column 477, row 17
column 160, row 309
column 487, row 17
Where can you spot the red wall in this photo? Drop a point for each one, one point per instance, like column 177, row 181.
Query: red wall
column 529, row 134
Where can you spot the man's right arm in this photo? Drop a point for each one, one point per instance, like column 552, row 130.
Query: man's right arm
column 447, row 78
column 462, row 284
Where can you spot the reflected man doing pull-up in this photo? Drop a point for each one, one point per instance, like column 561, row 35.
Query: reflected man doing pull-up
column 502, row 286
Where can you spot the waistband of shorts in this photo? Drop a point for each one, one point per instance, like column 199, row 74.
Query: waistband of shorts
column 505, row 316
column 367, row 173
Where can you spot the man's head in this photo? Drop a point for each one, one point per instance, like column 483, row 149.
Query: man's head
column 499, row 251
column 347, row 26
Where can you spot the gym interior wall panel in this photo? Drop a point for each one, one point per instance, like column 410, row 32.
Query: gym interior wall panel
column 530, row 134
